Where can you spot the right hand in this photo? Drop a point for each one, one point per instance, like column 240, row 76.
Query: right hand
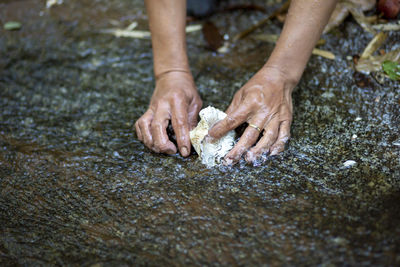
column 175, row 99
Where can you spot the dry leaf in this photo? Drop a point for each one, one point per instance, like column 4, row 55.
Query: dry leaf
column 212, row 36
column 374, row 63
column 338, row 16
column 374, row 44
column 387, row 26
column 343, row 9
column 358, row 15
column 323, row 53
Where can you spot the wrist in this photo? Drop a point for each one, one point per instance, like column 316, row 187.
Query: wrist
column 172, row 71
column 170, row 58
column 277, row 74
column 179, row 78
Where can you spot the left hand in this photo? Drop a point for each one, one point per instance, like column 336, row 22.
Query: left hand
column 265, row 101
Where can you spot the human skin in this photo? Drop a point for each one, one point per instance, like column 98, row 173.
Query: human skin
column 265, row 100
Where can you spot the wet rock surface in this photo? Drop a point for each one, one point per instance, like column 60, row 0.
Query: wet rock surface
column 77, row 187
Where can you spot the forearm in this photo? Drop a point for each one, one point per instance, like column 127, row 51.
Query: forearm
column 304, row 24
column 167, row 20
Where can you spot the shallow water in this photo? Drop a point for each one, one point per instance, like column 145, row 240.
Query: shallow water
column 77, row 187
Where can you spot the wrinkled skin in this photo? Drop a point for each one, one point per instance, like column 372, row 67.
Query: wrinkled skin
column 265, row 101
column 180, row 105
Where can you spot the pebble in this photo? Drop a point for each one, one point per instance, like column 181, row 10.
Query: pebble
column 349, row 163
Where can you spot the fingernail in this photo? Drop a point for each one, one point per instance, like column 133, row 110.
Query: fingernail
column 227, row 161
column 184, row 151
column 274, row 152
column 250, row 157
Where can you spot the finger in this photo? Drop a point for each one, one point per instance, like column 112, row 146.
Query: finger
column 235, row 102
column 161, row 143
column 138, row 132
column 193, row 113
column 284, row 135
column 270, row 135
column 180, row 124
column 144, row 124
column 231, row 121
column 248, row 139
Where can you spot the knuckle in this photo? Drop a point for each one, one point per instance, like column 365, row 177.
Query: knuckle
column 179, row 124
column 277, row 148
column 144, row 118
column 180, row 118
column 137, row 123
column 137, row 128
column 148, row 145
column 155, row 125
column 229, row 120
column 142, row 124
column 198, row 104
column 148, row 140
column 177, row 98
column 270, row 133
column 285, row 138
column 162, row 147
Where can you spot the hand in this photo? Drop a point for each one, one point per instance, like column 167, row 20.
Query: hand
column 265, row 101
column 175, row 99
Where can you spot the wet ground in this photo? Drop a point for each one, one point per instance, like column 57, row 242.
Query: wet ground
column 78, row 188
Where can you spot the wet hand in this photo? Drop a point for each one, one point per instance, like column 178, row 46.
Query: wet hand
column 175, row 99
column 265, row 103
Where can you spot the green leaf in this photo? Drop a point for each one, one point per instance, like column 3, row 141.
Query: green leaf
column 12, row 26
column 392, row 69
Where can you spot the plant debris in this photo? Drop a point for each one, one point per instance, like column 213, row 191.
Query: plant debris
column 374, row 63
column 375, row 43
column 368, row 63
column 212, row 36
column 251, row 29
column 323, row 53
column 392, row 69
column 12, row 26
column 387, row 26
column 50, row 3
column 356, row 8
column 129, row 33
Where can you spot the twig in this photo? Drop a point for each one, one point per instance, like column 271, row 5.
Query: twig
column 323, row 53
column 387, row 26
column 125, row 33
column 375, row 43
column 142, row 34
column 358, row 15
column 246, row 32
